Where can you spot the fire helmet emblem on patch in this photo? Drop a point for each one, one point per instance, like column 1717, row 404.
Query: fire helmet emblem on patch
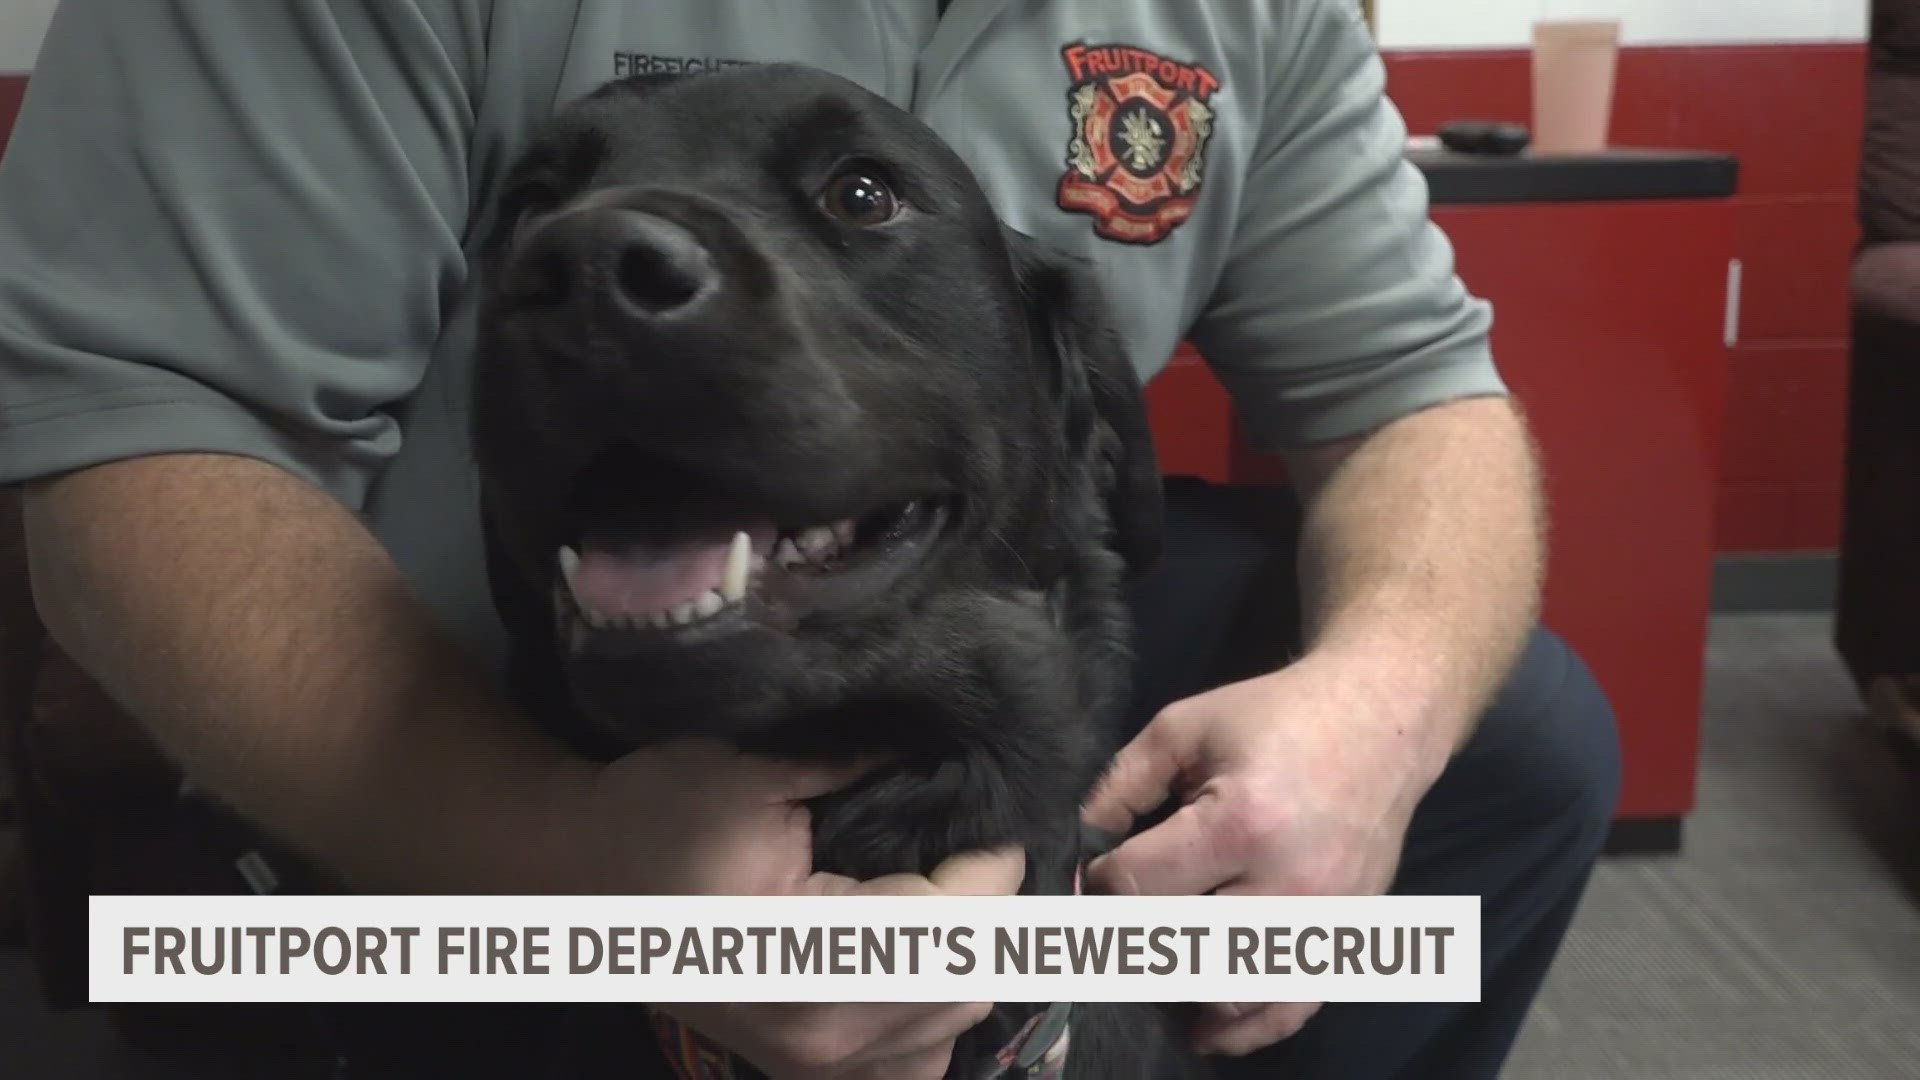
column 1137, row 155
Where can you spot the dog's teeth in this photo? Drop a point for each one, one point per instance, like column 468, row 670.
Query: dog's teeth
column 843, row 532
column 659, row 620
column 733, row 582
column 682, row 614
column 816, row 543
column 787, row 555
column 564, row 593
column 708, row 605
column 578, row 634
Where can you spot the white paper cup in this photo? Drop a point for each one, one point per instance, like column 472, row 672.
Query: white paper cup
column 1574, row 64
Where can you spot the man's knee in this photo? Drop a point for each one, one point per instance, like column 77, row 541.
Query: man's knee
column 1544, row 762
column 1579, row 751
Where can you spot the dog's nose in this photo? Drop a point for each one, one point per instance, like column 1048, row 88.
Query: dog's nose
column 639, row 263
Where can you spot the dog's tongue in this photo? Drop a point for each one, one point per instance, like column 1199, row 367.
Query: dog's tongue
column 623, row 578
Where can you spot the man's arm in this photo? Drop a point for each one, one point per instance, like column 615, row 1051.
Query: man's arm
column 270, row 645
column 1351, row 346
column 1422, row 555
column 1340, row 326
column 221, row 264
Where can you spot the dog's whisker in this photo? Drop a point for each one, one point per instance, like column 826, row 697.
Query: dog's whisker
column 1013, row 551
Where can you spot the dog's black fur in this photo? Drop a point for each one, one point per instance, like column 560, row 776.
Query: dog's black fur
column 819, row 367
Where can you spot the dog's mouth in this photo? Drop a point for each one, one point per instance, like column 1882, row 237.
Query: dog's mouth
column 630, row 583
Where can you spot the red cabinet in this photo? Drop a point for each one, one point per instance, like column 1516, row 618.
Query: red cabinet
column 1610, row 325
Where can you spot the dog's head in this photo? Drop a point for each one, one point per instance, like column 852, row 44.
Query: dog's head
column 759, row 369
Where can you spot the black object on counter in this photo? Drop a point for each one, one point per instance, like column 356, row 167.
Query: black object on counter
column 1610, row 175
column 1494, row 137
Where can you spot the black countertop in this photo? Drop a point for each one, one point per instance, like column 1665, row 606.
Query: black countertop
column 1612, row 175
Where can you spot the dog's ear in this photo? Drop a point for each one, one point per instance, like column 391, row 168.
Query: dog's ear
column 1103, row 407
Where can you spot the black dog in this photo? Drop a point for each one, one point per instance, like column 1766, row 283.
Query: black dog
column 785, row 440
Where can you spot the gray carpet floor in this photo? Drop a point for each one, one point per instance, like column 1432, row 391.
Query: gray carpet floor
column 1782, row 944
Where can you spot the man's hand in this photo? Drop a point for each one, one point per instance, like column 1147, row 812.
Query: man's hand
column 1419, row 574
column 860, row 1041
column 699, row 818
column 1297, row 783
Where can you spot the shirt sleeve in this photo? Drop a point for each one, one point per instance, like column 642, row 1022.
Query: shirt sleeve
column 229, row 226
column 1338, row 309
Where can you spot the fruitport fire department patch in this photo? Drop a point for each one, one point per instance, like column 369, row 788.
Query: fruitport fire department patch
column 1137, row 156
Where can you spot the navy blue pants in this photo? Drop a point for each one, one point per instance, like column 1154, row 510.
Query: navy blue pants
column 1517, row 819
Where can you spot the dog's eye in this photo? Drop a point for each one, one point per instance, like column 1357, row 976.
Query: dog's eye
column 860, row 197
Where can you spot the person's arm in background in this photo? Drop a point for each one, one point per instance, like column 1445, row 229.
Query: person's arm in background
column 1347, row 342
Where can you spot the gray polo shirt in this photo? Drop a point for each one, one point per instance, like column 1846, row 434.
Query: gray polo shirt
column 245, row 227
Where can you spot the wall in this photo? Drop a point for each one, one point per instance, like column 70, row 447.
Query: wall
column 1779, row 82
column 1776, row 81
column 22, row 24
column 1493, row 24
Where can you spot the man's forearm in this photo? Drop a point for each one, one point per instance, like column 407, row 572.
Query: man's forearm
column 1422, row 555
column 270, row 645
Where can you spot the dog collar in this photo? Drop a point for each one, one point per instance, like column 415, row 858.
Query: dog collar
column 1038, row 1050
column 689, row 1055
